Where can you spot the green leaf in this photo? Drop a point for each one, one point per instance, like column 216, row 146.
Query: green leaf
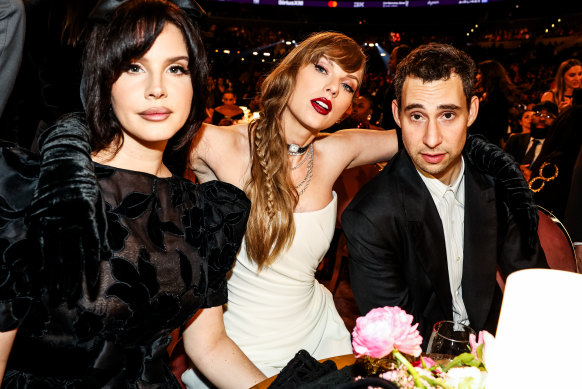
column 465, row 359
column 480, row 352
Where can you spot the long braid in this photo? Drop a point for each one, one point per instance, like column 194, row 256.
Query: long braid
column 270, row 228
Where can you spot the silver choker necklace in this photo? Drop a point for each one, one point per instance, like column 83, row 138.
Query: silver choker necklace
column 302, row 186
column 293, row 149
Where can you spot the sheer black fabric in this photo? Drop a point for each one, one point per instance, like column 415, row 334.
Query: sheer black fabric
column 99, row 314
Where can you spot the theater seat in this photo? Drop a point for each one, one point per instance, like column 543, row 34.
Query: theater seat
column 555, row 242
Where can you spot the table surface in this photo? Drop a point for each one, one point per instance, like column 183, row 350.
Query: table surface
column 340, row 361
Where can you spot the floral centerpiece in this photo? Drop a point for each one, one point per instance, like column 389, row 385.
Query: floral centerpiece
column 386, row 343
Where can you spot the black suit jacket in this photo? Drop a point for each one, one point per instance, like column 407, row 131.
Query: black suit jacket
column 517, row 145
column 397, row 249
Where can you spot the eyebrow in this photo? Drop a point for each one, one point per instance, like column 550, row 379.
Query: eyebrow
column 169, row 60
column 354, row 78
column 179, row 58
column 348, row 75
column 440, row 107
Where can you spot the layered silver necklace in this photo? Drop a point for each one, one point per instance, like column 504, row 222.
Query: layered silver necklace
column 302, row 186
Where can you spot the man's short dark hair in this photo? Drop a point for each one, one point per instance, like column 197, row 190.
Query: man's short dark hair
column 436, row 61
column 548, row 106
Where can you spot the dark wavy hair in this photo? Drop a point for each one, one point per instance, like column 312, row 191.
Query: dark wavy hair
column 129, row 34
column 436, row 61
column 494, row 78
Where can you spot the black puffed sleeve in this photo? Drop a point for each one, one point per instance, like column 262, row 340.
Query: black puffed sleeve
column 225, row 213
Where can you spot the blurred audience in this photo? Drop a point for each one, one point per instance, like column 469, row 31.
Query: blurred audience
column 551, row 172
column 525, row 119
column 497, row 95
column 396, row 55
column 362, row 112
column 568, row 78
column 526, row 146
column 228, row 112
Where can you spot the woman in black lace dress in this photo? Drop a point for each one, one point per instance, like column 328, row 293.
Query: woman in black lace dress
column 101, row 259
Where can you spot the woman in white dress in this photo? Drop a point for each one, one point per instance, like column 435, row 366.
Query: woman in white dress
column 287, row 168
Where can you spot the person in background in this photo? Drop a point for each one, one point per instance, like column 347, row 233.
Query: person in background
column 428, row 233
column 228, row 112
column 496, row 98
column 525, row 147
column 568, row 78
column 525, row 119
column 362, row 112
column 551, row 172
column 287, row 168
column 12, row 27
column 105, row 251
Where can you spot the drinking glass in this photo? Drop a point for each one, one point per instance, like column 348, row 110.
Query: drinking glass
column 449, row 338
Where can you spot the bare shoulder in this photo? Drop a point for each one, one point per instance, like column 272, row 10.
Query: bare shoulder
column 218, row 151
column 547, row 96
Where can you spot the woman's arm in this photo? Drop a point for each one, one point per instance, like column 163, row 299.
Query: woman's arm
column 547, row 96
column 216, row 355
column 220, row 153
column 361, row 147
column 6, row 341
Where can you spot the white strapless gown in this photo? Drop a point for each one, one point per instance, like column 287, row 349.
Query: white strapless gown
column 274, row 313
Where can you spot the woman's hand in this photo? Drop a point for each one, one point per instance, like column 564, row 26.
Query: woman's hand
column 565, row 104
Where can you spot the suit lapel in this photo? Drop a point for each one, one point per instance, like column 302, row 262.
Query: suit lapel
column 425, row 230
column 480, row 247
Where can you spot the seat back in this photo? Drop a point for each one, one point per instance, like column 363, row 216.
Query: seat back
column 349, row 183
column 346, row 187
column 556, row 242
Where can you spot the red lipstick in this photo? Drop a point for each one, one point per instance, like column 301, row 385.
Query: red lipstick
column 321, row 105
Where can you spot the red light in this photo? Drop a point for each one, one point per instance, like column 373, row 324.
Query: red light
column 332, row 4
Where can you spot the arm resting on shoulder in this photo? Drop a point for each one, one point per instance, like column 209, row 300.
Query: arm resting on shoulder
column 376, row 273
column 216, row 355
column 363, row 147
column 6, row 341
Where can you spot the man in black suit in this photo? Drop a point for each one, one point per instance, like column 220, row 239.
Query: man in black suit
column 429, row 232
column 525, row 147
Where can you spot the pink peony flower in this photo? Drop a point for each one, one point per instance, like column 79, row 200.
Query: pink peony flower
column 384, row 329
column 474, row 344
column 486, row 341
